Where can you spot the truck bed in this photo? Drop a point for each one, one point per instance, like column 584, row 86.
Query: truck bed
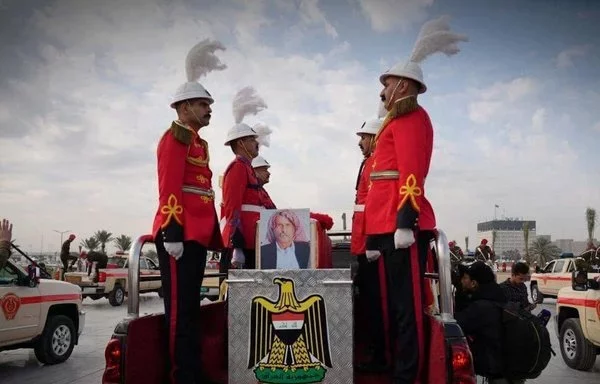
column 147, row 362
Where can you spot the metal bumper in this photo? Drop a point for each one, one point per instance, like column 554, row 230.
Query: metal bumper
column 81, row 322
column 97, row 290
column 311, row 309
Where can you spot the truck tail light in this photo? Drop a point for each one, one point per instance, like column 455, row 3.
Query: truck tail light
column 463, row 371
column 112, row 355
column 102, row 277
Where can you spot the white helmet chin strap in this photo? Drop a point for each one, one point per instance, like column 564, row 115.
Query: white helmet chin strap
column 193, row 113
column 393, row 93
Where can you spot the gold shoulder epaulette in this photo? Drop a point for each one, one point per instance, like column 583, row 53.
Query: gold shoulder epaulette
column 181, row 133
column 404, row 106
column 401, row 107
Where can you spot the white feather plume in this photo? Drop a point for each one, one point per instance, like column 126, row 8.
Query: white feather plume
column 201, row 59
column 264, row 132
column 246, row 102
column 435, row 36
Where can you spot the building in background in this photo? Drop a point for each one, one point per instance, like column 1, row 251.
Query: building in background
column 572, row 246
column 509, row 235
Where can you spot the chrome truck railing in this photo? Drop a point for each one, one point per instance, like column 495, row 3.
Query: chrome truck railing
column 444, row 258
column 445, row 278
column 133, row 277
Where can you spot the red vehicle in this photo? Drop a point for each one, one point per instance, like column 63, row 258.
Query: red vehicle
column 136, row 352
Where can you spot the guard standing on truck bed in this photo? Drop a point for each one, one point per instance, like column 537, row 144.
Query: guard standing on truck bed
column 65, row 255
column 241, row 203
column 368, row 273
column 186, row 223
column 399, row 219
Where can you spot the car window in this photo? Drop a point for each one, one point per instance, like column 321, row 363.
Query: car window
column 151, row 264
column 8, row 275
column 549, row 267
column 558, row 265
column 571, row 267
column 143, row 264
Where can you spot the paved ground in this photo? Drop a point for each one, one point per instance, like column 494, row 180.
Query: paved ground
column 87, row 361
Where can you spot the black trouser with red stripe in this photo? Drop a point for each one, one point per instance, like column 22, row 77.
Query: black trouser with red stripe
column 181, row 282
column 404, row 269
column 369, row 291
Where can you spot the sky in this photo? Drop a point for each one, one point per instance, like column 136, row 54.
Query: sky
column 85, row 89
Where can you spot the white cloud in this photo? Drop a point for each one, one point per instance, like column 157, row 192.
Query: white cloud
column 387, row 15
column 499, row 98
column 565, row 58
column 311, row 14
column 538, row 119
column 87, row 159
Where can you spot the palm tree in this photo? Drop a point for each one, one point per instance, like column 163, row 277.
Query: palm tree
column 542, row 250
column 526, row 238
column 466, row 243
column 123, row 242
column 590, row 217
column 90, row 244
column 103, row 237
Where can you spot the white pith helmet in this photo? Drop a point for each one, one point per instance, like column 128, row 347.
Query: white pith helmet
column 191, row 90
column 370, row 127
column 200, row 60
column 409, row 70
column 238, row 131
column 435, row 36
column 259, row 161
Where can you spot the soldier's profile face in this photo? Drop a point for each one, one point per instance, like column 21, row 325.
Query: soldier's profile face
column 364, row 143
column 284, row 231
column 263, row 174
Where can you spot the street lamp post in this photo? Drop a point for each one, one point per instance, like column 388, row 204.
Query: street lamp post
column 61, row 234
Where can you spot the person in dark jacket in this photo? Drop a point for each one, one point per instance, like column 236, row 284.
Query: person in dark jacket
column 101, row 260
column 481, row 320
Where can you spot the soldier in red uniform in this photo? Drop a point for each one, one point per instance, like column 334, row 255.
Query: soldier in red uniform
column 399, row 220
column 484, row 252
column 261, row 168
column 368, row 273
column 186, row 224
column 241, row 203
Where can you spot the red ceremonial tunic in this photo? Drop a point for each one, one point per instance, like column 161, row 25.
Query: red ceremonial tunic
column 241, row 204
column 358, row 238
column 396, row 197
column 265, row 199
column 186, row 199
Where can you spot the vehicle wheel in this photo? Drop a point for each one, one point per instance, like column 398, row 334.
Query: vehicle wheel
column 57, row 340
column 116, row 296
column 536, row 295
column 577, row 352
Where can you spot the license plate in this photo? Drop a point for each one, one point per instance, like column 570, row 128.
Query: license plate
column 89, row 290
column 203, row 289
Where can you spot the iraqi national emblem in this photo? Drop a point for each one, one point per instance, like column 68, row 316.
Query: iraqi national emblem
column 289, row 340
column 10, row 304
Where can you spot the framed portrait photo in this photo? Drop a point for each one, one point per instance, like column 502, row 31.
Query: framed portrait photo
column 284, row 236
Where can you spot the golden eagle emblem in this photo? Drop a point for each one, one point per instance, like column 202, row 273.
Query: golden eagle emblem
column 289, row 340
